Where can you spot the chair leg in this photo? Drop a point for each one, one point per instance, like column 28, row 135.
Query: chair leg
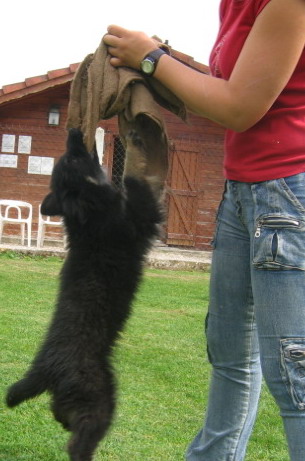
column 42, row 234
column 1, row 230
column 38, row 239
column 39, row 236
column 22, row 233
column 29, row 234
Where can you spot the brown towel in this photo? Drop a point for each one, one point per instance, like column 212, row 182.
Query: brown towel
column 100, row 91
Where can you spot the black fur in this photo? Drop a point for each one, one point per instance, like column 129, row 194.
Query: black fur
column 109, row 233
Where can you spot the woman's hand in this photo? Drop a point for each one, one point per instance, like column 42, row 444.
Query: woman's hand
column 265, row 65
column 128, row 47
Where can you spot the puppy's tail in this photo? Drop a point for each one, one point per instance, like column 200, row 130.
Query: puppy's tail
column 26, row 388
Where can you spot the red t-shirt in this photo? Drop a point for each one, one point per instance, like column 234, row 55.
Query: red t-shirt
column 275, row 146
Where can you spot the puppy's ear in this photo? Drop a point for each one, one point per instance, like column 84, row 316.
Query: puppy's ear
column 50, row 206
column 75, row 142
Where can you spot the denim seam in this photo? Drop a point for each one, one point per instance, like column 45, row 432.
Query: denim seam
column 249, row 386
column 294, row 200
column 217, row 222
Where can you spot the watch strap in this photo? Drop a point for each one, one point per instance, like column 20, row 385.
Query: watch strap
column 154, row 57
column 155, row 54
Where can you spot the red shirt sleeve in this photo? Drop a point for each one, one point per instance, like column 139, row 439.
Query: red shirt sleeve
column 260, row 5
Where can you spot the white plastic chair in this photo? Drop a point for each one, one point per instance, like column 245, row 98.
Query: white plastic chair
column 43, row 222
column 17, row 212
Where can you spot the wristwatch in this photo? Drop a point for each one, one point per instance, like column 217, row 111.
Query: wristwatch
column 149, row 63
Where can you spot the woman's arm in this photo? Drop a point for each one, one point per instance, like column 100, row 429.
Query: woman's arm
column 266, row 63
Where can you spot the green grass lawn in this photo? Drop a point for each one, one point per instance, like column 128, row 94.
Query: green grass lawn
column 161, row 365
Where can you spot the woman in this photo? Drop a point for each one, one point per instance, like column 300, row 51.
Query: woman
column 256, row 320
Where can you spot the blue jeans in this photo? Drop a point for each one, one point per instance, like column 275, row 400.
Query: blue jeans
column 256, row 319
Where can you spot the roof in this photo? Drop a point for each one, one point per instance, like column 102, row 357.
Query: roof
column 57, row 77
column 38, row 83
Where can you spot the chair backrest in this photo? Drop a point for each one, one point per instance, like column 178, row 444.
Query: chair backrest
column 22, row 209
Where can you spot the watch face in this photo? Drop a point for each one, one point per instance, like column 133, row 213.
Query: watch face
column 147, row 66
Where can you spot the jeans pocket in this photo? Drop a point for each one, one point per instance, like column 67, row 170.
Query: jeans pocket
column 293, row 369
column 279, row 243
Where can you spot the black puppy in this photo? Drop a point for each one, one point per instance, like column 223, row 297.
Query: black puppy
column 109, row 233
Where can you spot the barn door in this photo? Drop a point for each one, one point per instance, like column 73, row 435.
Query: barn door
column 183, row 195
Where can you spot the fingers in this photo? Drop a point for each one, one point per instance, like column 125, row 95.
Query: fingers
column 111, row 40
column 115, row 62
column 127, row 47
column 114, row 54
column 117, row 31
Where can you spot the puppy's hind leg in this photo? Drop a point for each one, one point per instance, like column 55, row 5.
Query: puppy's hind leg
column 33, row 384
column 88, row 430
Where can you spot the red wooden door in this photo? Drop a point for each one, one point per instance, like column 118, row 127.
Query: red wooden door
column 182, row 195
